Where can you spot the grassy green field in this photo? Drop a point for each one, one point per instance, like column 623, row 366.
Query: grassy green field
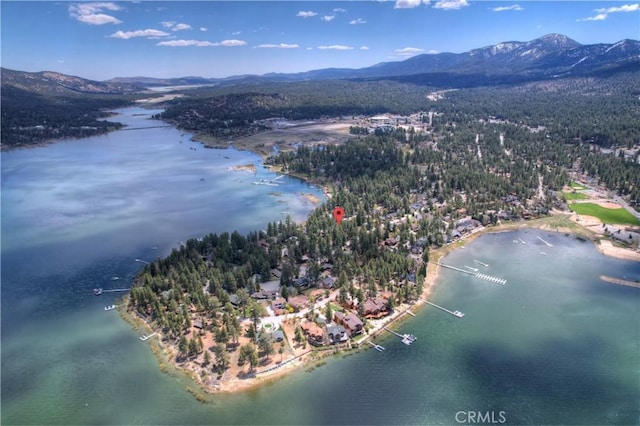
column 569, row 196
column 576, row 185
column 609, row 216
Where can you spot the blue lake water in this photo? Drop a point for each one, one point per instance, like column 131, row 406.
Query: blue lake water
column 555, row 345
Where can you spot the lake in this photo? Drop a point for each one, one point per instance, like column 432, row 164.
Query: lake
column 555, row 345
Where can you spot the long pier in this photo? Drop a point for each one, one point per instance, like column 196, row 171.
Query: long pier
column 115, row 289
column 457, row 314
column 452, row 267
column 481, row 263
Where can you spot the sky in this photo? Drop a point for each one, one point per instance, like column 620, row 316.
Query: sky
column 103, row 40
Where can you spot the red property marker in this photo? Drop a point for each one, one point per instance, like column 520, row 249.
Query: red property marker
column 338, row 214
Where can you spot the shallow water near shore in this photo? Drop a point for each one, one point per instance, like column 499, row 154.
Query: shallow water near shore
column 555, row 345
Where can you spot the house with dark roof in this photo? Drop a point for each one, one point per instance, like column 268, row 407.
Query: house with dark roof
column 351, row 323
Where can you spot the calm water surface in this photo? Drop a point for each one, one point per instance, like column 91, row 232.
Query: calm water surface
column 555, row 345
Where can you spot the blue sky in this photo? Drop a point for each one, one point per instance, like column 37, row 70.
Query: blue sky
column 102, row 40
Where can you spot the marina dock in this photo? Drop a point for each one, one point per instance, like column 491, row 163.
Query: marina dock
column 454, row 313
column 481, row 263
column 113, row 290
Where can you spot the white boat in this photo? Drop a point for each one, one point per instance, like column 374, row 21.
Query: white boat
column 109, row 308
column 458, row 314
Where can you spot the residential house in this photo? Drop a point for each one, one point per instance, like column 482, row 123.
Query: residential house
column 376, row 307
column 315, row 333
column 336, row 334
column 351, row 323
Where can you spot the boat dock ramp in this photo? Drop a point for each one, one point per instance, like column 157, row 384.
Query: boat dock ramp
column 457, row 314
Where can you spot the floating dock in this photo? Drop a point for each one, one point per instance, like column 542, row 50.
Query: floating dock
column 491, row 278
column 109, row 308
column 454, row 313
column 113, row 290
column 471, row 269
column 481, row 263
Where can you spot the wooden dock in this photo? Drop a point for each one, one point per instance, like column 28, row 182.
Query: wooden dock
column 378, row 347
column 407, row 339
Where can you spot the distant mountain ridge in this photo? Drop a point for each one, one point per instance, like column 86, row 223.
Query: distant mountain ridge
column 511, row 62
column 550, row 56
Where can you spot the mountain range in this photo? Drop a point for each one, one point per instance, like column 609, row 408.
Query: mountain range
column 547, row 57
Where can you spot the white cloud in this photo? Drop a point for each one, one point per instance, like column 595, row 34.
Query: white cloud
column 181, row 27
column 358, row 21
column 407, row 52
column 230, row 43
column 277, row 46
column 409, row 4
column 307, row 14
column 505, row 8
column 598, row 17
column 328, row 18
column 175, row 26
column 451, row 4
column 603, row 13
column 364, row 48
column 203, row 29
column 185, row 43
column 339, row 10
column 199, row 43
column 624, row 8
column 125, row 35
column 335, row 47
column 91, row 13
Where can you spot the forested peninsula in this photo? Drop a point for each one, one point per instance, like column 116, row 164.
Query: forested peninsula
column 232, row 309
